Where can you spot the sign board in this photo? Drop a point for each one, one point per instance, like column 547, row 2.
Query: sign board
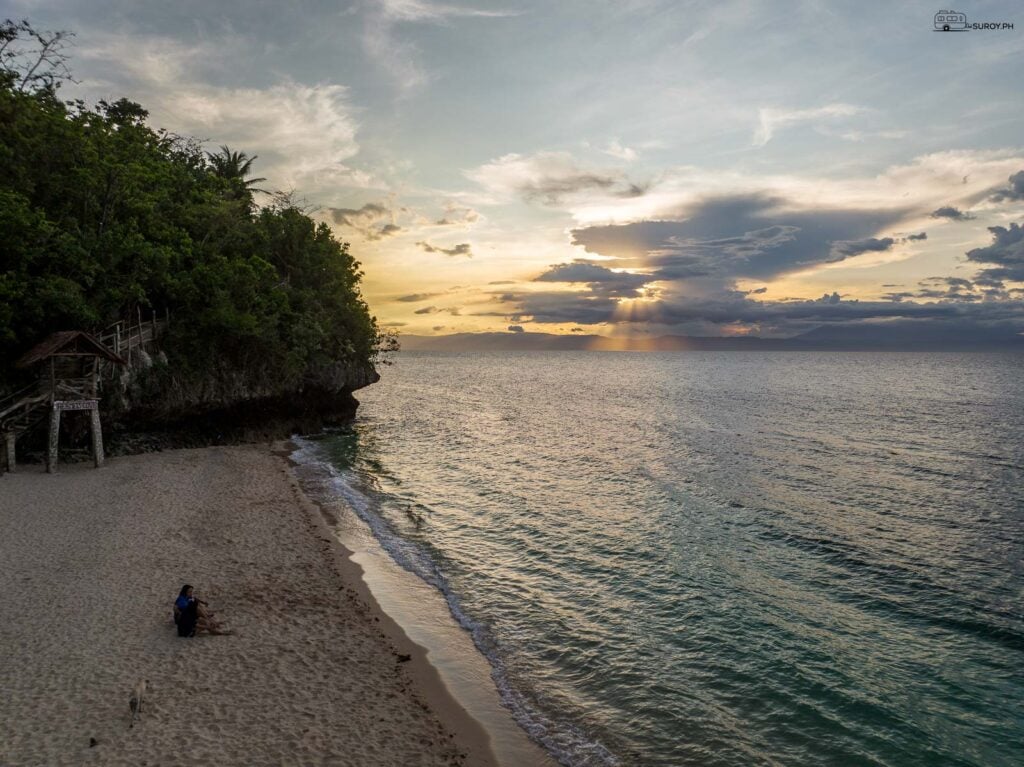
column 76, row 404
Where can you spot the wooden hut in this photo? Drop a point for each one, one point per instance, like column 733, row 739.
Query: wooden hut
column 68, row 365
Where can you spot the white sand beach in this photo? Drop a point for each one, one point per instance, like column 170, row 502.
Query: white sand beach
column 90, row 562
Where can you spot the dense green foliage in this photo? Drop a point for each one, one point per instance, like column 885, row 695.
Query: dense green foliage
column 102, row 217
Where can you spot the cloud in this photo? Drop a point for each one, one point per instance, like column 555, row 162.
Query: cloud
column 618, row 151
column 516, row 329
column 462, row 249
column 850, row 248
column 770, row 120
column 954, row 214
column 559, row 306
column 549, row 178
column 600, row 278
column 941, row 288
column 771, row 317
column 455, row 311
column 686, row 269
column 755, row 236
column 399, row 57
column 374, row 221
column 416, row 297
column 1013, row 192
column 457, row 215
column 304, row 134
column 859, row 135
column 1006, row 251
column 420, row 10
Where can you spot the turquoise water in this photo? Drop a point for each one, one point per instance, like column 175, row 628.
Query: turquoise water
column 718, row 558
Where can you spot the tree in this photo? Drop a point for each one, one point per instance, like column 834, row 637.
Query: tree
column 103, row 216
column 233, row 167
column 33, row 59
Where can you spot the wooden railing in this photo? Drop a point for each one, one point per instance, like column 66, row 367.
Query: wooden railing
column 18, row 416
column 127, row 338
column 14, row 400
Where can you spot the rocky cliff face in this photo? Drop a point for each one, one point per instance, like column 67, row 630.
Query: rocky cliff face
column 151, row 405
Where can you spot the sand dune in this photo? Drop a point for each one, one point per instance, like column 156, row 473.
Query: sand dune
column 90, row 561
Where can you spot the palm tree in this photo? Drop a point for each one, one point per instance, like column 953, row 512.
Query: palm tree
column 235, row 166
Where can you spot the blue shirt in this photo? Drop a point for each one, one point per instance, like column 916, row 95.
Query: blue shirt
column 183, row 602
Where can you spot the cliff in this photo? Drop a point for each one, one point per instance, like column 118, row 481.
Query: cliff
column 152, row 406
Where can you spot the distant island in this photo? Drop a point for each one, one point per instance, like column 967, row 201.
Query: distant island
column 898, row 336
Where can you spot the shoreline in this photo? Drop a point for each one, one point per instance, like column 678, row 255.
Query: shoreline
column 421, row 612
column 314, row 674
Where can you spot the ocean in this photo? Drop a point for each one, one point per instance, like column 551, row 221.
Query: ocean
column 715, row 558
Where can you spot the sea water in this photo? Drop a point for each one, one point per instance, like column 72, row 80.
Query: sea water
column 717, row 559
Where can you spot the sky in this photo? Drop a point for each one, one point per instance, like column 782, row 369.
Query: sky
column 620, row 168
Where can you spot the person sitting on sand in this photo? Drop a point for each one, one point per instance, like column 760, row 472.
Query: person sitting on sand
column 191, row 615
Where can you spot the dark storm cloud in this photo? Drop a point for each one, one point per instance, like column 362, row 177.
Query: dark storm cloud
column 952, row 292
column 462, row 249
column 1006, row 252
column 753, row 236
column 785, row 317
column 600, row 278
column 954, row 214
column 956, row 282
column 697, row 260
column 1014, row 191
column 578, row 308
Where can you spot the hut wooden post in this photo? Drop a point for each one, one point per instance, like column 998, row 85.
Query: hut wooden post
column 54, row 440
column 97, row 436
column 81, row 356
column 9, row 459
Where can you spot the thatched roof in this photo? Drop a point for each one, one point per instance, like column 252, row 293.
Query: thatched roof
column 67, row 343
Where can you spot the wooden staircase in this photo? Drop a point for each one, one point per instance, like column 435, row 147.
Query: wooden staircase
column 19, row 413
column 121, row 345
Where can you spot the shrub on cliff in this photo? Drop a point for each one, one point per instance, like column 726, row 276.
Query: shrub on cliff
column 103, row 217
